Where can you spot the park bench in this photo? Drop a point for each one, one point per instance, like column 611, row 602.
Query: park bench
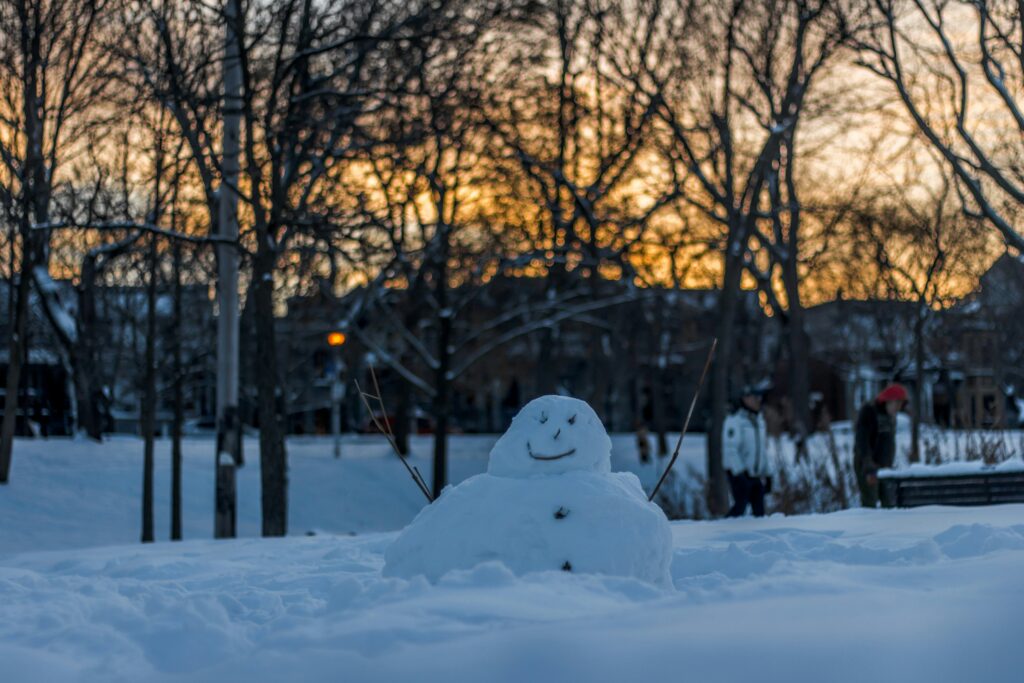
column 976, row 486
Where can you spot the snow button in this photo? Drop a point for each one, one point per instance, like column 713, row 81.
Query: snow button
column 561, row 513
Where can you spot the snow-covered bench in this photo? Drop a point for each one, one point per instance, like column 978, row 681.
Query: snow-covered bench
column 957, row 483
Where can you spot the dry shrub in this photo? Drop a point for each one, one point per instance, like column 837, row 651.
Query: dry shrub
column 931, row 448
column 989, row 447
column 684, row 497
column 823, row 483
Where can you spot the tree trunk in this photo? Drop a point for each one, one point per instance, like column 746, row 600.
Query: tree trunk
column 83, row 356
column 179, row 403
column 403, row 412
column 12, row 238
column 443, row 381
column 441, row 410
column 148, row 416
column 273, row 457
column 402, row 417
column 16, row 356
column 658, row 379
column 440, row 478
column 545, row 379
column 658, row 412
column 799, row 362
column 799, row 372
column 718, row 495
column 915, row 419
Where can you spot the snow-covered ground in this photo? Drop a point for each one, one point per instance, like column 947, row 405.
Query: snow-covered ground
column 930, row 594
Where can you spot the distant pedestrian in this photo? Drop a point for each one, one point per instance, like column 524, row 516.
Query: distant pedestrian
column 643, row 443
column 745, row 454
column 874, row 445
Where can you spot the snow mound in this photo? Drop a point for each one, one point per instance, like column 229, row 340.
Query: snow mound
column 552, row 435
column 577, row 521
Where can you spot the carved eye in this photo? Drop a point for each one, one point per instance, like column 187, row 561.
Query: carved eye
column 543, row 418
column 572, row 420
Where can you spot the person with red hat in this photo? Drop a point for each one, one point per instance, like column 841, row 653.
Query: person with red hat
column 874, row 445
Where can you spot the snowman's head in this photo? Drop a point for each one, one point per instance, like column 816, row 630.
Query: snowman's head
column 551, row 435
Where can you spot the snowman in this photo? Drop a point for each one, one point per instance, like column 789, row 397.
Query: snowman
column 548, row 502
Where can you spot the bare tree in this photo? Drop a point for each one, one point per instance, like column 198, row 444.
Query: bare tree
column 311, row 89
column 166, row 59
column 454, row 196
column 962, row 93
column 575, row 139
column 731, row 101
column 308, row 77
column 50, row 79
column 922, row 249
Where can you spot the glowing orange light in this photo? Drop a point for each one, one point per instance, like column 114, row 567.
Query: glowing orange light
column 335, row 338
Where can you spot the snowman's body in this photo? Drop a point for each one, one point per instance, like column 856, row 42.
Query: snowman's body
column 548, row 502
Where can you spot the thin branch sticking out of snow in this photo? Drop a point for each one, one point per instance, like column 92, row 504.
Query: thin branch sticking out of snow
column 385, row 429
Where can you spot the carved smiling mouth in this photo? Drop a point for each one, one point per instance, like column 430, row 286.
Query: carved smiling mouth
column 548, row 457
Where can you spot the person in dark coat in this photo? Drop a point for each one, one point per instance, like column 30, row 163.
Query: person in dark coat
column 874, row 445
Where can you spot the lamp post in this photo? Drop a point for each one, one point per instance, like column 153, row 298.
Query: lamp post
column 336, row 340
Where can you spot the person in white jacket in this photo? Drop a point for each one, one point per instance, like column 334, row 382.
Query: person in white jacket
column 745, row 454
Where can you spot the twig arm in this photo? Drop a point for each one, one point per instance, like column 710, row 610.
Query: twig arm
column 689, row 414
column 390, row 437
